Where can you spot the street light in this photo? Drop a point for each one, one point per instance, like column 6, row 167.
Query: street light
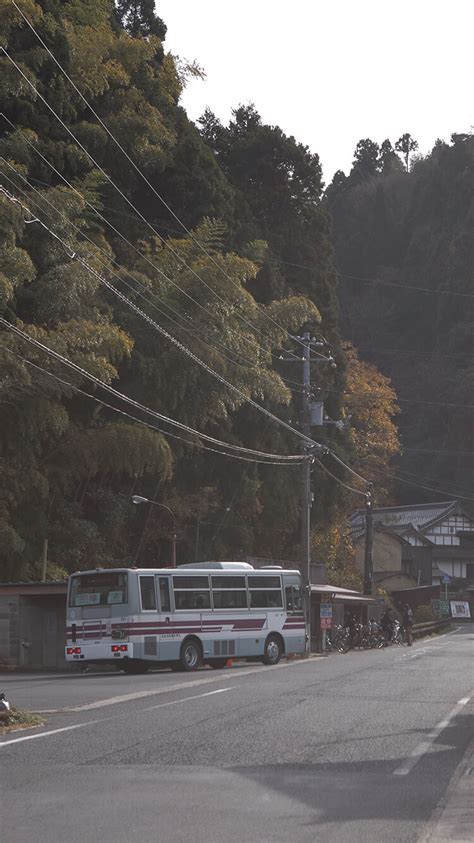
column 138, row 499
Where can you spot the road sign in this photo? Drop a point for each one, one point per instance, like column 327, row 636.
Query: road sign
column 326, row 623
column 446, row 579
column 325, row 610
column 444, row 607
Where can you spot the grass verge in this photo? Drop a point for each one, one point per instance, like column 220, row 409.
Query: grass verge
column 17, row 719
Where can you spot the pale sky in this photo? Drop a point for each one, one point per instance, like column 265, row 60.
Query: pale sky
column 331, row 72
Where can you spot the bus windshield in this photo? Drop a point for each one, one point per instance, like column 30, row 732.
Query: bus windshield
column 98, row 589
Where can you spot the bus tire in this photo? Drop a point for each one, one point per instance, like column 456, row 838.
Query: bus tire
column 190, row 654
column 273, row 649
column 218, row 664
column 135, row 666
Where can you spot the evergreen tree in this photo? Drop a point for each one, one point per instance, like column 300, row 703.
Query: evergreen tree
column 406, row 145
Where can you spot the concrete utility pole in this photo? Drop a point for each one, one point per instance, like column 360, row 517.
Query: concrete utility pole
column 306, row 494
column 369, row 543
column 306, row 480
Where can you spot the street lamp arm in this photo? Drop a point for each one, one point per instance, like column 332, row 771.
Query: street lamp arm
column 138, row 499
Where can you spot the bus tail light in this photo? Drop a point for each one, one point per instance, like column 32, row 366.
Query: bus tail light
column 124, row 648
column 119, row 648
column 73, row 651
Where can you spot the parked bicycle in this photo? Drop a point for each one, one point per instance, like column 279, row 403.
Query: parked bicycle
column 338, row 640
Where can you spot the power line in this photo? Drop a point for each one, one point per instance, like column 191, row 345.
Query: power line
column 129, row 202
column 413, row 352
column 129, row 158
column 338, row 480
column 163, row 331
column 141, row 421
column 309, row 267
column 406, row 286
column 74, row 256
column 439, row 451
column 420, row 485
column 125, row 239
column 116, row 275
column 173, row 422
column 121, row 279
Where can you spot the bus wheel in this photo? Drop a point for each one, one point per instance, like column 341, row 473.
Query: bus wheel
column 135, row 666
column 191, row 654
column 217, row 664
column 273, row 650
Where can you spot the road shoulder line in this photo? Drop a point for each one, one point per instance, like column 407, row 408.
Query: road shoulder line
column 453, row 817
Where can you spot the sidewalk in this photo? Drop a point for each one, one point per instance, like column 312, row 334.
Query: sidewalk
column 453, row 820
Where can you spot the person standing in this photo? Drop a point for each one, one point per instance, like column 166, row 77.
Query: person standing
column 386, row 624
column 407, row 621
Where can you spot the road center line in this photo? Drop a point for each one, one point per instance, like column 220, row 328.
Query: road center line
column 185, row 699
column 426, row 745
column 47, row 734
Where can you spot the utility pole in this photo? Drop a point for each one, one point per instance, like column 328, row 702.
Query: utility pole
column 369, row 542
column 307, row 342
column 306, row 500
column 306, row 484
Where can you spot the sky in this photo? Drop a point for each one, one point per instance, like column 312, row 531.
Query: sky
column 331, row 72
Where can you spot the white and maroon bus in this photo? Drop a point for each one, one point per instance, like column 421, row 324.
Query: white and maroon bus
column 183, row 617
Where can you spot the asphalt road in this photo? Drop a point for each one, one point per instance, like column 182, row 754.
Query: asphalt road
column 346, row 748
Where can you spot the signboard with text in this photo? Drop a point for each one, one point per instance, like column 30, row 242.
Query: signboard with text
column 326, row 623
column 460, row 609
column 444, row 608
column 325, row 610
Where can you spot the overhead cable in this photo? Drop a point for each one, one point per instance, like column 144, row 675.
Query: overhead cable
column 130, row 203
column 120, row 278
column 421, row 485
column 164, row 433
column 74, row 256
column 173, row 422
column 116, row 231
column 129, row 158
column 339, row 481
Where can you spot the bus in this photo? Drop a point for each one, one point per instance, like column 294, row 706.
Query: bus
column 206, row 613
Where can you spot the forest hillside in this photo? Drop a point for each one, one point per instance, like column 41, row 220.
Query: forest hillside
column 403, row 231
column 174, row 264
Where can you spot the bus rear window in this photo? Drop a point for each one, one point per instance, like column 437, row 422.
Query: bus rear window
column 101, row 589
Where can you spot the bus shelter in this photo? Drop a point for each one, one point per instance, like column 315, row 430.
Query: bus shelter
column 330, row 605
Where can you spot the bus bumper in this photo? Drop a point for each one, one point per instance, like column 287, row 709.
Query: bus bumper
column 98, row 652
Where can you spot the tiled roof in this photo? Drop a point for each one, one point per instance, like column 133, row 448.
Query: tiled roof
column 402, row 516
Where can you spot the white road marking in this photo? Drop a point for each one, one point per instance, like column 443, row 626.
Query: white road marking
column 426, row 745
column 47, row 734
column 185, row 699
column 102, row 720
column 224, row 677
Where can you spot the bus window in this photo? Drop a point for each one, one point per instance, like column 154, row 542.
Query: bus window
column 293, row 598
column 191, row 592
column 229, row 592
column 147, row 591
column 229, row 599
column 164, row 589
column 265, row 592
column 266, row 599
column 98, row 589
column 192, row 599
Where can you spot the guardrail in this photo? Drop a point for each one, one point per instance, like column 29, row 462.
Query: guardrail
column 420, row 629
